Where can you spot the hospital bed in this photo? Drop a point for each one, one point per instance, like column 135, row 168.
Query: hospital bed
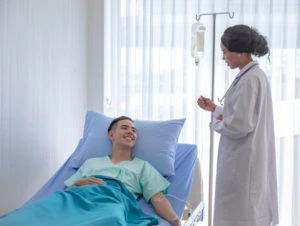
column 181, row 183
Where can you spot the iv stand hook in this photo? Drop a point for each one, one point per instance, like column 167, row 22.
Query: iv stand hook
column 231, row 15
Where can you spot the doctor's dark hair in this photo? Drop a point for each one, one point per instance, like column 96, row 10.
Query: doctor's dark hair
column 244, row 39
column 116, row 120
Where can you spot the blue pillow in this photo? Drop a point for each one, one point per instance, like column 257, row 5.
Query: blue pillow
column 157, row 141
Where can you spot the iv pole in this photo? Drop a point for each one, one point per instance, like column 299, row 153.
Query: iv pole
column 211, row 154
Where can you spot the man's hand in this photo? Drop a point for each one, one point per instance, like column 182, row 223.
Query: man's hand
column 89, row 180
column 176, row 222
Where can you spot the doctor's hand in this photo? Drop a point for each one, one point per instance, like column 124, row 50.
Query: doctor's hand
column 220, row 117
column 206, row 104
column 89, row 180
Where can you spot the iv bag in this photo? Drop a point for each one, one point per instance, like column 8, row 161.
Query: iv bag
column 197, row 41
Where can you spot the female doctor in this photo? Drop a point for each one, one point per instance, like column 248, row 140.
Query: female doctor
column 246, row 185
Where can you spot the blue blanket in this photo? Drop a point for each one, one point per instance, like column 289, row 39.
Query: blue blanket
column 109, row 205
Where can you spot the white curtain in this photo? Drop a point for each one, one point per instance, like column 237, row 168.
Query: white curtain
column 149, row 72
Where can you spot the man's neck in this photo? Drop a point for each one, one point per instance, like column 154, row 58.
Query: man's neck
column 119, row 155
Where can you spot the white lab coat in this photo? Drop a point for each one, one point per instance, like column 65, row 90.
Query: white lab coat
column 246, row 185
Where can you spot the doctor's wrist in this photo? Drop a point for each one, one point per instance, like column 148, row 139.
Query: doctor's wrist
column 214, row 106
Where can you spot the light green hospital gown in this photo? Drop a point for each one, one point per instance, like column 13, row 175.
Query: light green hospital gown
column 139, row 176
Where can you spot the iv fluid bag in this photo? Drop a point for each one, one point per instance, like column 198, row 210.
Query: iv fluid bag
column 197, row 40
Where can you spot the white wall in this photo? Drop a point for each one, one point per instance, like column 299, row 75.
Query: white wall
column 44, row 87
column 95, row 55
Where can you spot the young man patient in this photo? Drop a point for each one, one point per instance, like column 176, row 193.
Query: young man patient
column 137, row 175
column 103, row 191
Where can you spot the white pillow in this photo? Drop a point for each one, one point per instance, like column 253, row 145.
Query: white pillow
column 157, row 141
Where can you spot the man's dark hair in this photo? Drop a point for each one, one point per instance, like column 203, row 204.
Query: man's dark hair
column 114, row 122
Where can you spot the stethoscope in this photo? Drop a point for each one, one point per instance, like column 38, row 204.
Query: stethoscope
column 233, row 84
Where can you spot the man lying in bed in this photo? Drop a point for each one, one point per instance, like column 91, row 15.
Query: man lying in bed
column 104, row 190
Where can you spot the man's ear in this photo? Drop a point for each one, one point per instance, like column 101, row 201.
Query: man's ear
column 110, row 135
